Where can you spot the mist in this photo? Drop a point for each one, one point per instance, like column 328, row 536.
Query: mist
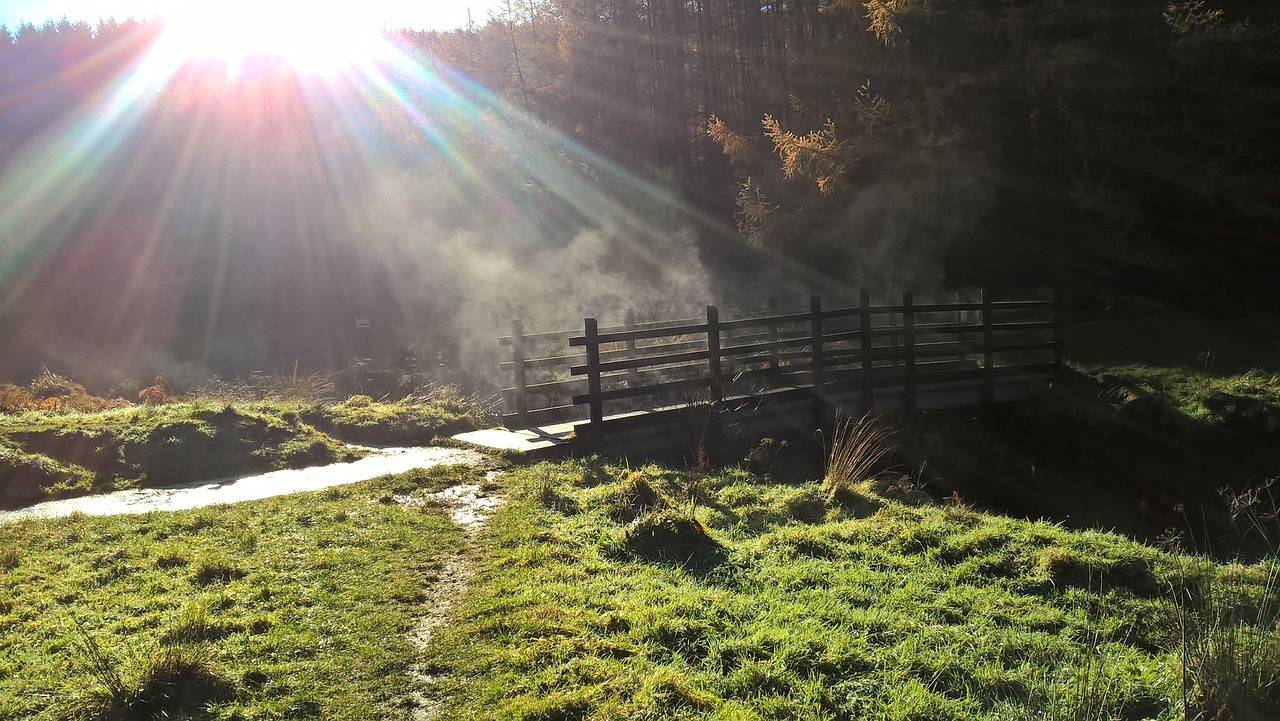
column 275, row 222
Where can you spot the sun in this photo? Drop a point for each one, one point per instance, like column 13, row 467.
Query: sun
column 308, row 35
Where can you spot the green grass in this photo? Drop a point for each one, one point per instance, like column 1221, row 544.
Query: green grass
column 294, row 607
column 48, row 454
column 413, row 419
column 607, row 591
column 878, row 608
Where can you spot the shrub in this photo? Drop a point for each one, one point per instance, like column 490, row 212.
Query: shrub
column 156, row 394
column 15, row 399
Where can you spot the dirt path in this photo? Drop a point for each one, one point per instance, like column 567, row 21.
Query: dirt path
column 469, row 507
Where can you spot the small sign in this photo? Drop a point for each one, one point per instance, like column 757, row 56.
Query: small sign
column 362, row 322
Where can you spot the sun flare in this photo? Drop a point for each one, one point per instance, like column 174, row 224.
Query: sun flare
column 309, row 36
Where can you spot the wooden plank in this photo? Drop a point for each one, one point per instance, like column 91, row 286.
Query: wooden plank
column 1010, row 305
column 1022, row 326
column 645, row 362
column 864, row 338
column 946, row 307
column 618, row 337
column 764, row 322
column 784, row 372
column 766, row 346
column 535, row 337
column 542, row 363
column 743, row 339
column 923, row 329
column 660, row 348
column 548, row 387
column 540, row 416
column 857, row 311
column 656, row 388
column 1022, row 347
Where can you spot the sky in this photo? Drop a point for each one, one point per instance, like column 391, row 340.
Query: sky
column 415, row 14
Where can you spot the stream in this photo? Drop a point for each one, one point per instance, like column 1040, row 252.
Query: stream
column 248, row 488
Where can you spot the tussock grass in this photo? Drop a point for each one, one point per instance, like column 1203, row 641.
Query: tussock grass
column 10, row 557
column 1231, row 650
column 170, row 681
column 1229, row 621
column 856, row 448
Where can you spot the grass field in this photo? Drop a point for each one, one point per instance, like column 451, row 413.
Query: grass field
column 294, row 607
column 611, row 592
column 605, row 591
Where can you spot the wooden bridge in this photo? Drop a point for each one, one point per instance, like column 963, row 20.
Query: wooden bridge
column 805, row 365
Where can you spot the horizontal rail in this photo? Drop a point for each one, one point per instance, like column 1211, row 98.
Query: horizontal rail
column 765, row 321
column 655, row 389
column 1023, row 326
column 645, row 362
column 623, row 336
column 537, row 363
column 542, row 415
column 547, row 387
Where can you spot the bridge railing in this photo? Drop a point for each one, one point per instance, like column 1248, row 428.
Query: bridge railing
column 863, row 354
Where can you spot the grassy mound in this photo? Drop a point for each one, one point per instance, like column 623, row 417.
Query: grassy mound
column 30, row 477
column 56, row 454
column 672, row 535
column 415, row 419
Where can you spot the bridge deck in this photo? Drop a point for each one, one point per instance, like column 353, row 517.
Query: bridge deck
column 776, row 411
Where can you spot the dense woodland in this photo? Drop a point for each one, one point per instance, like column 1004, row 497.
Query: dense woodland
column 655, row 153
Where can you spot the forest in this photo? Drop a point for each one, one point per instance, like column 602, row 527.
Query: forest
column 195, row 219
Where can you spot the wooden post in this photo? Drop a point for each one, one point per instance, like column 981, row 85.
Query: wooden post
column 988, row 352
column 729, row 364
column 773, row 336
column 1058, row 304
column 517, row 358
column 868, row 363
column 815, row 333
column 633, row 376
column 713, row 353
column 596, row 429
column 909, row 352
column 893, row 339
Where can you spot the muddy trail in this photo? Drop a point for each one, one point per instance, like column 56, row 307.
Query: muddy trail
column 469, row 506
